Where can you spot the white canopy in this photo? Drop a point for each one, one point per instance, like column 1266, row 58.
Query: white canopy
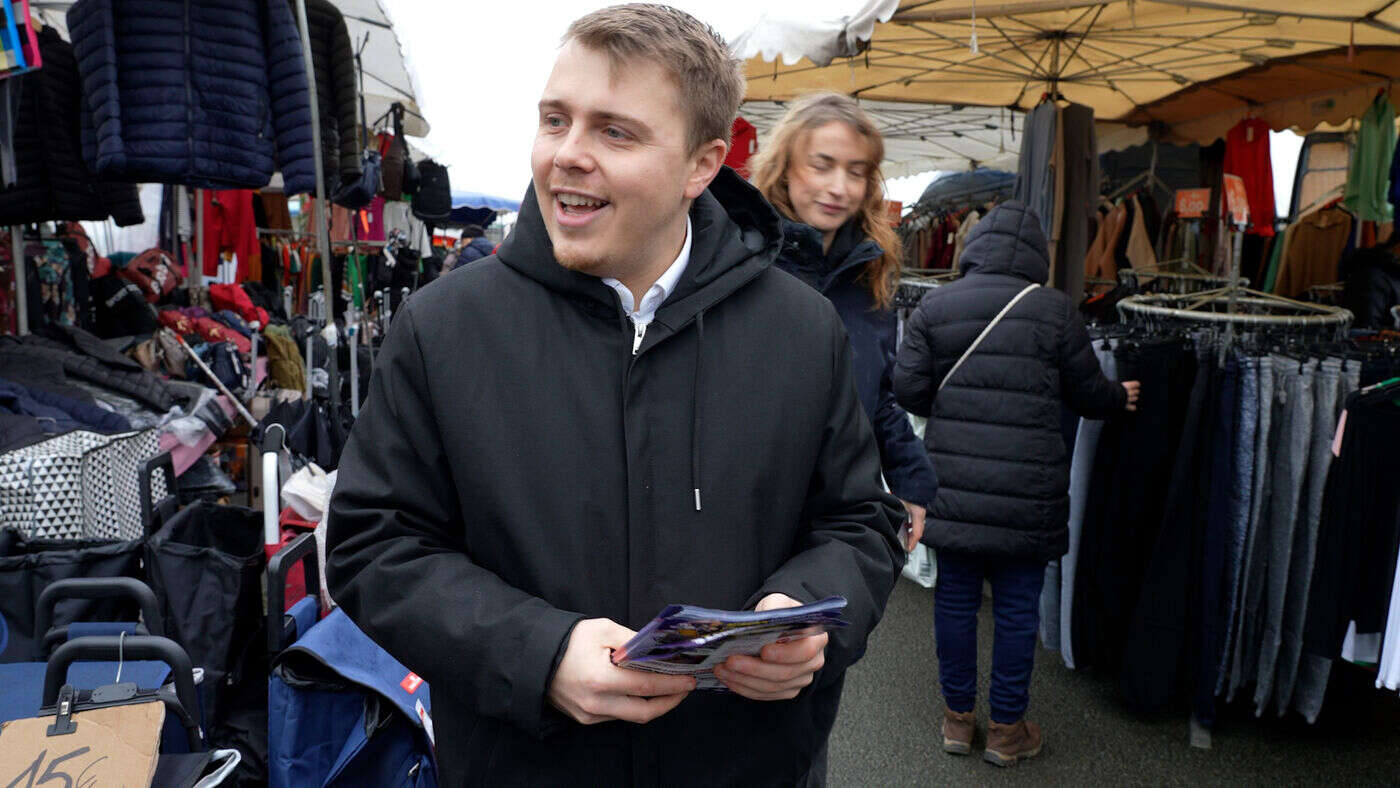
column 924, row 137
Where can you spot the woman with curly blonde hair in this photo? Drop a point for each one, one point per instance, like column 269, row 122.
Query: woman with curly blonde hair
column 821, row 170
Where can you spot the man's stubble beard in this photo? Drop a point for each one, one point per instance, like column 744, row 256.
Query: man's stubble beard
column 579, row 261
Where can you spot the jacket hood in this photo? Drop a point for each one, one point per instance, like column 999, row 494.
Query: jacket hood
column 736, row 234
column 1008, row 241
column 802, row 254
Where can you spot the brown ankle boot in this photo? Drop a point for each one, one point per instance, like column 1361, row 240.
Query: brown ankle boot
column 1007, row 744
column 958, row 729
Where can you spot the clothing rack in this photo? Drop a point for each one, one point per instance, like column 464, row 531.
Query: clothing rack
column 913, row 286
column 1147, row 177
column 1181, row 276
column 300, row 235
column 960, row 198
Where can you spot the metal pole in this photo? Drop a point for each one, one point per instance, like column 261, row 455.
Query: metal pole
column 21, row 288
column 309, row 339
column 354, row 332
column 322, row 213
column 196, row 271
column 253, row 361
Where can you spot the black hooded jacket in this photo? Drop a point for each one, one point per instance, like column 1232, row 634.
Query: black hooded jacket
column 517, row 468
column 994, row 434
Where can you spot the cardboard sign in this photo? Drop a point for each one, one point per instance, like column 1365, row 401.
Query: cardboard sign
column 1236, row 201
column 893, row 208
column 1192, row 203
column 111, row 747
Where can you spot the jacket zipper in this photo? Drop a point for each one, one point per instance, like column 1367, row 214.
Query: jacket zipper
column 189, row 94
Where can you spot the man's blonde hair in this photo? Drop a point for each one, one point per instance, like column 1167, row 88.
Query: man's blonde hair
column 709, row 78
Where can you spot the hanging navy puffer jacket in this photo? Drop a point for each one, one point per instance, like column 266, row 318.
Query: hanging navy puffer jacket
column 206, row 93
column 994, row 434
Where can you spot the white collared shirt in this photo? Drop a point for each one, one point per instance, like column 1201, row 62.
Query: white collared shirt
column 643, row 314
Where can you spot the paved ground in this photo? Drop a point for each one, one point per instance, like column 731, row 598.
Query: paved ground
column 887, row 732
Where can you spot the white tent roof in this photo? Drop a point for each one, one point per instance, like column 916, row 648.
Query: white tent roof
column 924, row 137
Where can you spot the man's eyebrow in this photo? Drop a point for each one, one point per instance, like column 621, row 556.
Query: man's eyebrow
column 628, row 120
column 600, row 117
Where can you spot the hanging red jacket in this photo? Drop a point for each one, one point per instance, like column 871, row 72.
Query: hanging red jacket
column 743, row 145
column 229, row 227
column 1247, row 155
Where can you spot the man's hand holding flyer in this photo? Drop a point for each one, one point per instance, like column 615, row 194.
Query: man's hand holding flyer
column 691, row 641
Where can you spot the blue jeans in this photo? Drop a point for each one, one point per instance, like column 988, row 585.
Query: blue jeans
column 1016, row 606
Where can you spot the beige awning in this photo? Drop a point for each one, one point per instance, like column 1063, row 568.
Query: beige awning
column 1115, row 56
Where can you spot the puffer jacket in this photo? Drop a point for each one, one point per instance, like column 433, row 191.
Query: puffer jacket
column 334, row 58
column 835, row 273
column 52, row 181
column 208, row 94
column 994, row 431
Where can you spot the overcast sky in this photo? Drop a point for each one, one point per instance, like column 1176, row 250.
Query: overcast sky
column 480, row 66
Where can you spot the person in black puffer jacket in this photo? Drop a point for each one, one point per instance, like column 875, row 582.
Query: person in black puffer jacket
column 821, row 171
column 1002, row 509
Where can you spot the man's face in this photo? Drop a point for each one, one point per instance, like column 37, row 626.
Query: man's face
column 612, row 167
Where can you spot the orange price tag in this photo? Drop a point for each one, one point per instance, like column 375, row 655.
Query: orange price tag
column 1192, row 203
column 1236, row 201
column 893, row 208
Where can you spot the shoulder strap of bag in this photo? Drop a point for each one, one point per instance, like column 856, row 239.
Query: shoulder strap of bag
column 984, row 333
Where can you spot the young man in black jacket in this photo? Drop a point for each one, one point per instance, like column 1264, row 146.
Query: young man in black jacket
column 626, row 407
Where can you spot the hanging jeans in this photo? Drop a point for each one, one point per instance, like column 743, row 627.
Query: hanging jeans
column 1326, row 388
column 1242, row 483
column 1015, row 605
column 1290, row 459
column 1245, row 658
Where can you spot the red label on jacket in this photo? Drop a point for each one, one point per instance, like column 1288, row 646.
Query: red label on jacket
column 411, row 683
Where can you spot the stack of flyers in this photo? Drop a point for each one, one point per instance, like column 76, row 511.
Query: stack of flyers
column 691, row 641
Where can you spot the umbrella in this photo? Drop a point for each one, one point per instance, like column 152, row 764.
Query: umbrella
column 478, row 209
column 1112, row 55
column 386, row 77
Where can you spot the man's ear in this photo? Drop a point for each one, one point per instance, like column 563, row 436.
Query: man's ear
column 704, row 166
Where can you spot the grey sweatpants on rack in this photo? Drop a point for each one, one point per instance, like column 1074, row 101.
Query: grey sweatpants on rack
column 1293, row 391
column 1313, row 671
column 1295, row 614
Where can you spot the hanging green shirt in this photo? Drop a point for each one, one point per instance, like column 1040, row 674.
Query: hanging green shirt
column 1368, row 175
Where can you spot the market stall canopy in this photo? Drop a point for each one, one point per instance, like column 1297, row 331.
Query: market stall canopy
column 1113, row 56
column 923, row 137
column 919, row 138
column 371, row 34
column 1317, row 91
